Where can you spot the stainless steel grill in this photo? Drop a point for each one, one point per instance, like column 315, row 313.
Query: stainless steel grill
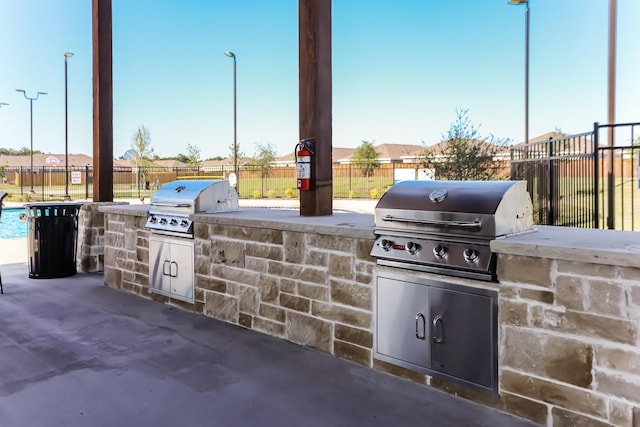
column 172, row 204
column 171, row 245
column 446, row 226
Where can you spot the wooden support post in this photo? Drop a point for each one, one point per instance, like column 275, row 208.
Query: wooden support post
column 314, row 27
column 102, row 102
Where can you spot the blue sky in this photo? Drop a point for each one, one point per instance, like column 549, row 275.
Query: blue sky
column 400, row 70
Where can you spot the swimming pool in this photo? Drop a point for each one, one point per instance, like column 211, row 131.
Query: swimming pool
column 10, row 224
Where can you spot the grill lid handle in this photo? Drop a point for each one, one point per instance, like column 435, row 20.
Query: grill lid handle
column 436, row 222
column 172, row 205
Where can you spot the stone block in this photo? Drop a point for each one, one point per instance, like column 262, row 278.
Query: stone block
column 563, row 418
column 307, row 330
column 607, row 298
column 238, row 275
column 288, row 285
column 341, row 266
column 316, row 258
column 620, row 413
column 332, row 243
column 634, row 295
column 545, row 297
column 554, row 393
column 572, row 292
column 351, row 294
column 352, row 352
column 202, row 265
column 256, row 264
column 221, row 307
column 520, row 269
column 253, row 234
column 294, row 302
column 360, row 337
column 248, row 299
column 630, row 273
column 130, row 239
column 293, row 247
column 142, row 255
column 621, row 386
column 272, row 312
column 210, row 284
column 200, row 231
column 259, row 250
column 532, row 410
column 245, row 320
column 363, row 250
column 227, row 252
column 316, row 292
column 114, row 239
column 512, row 312
column 598, row 326
column 268, row 288
column 269, row 327
column 345, row 315
column 547, row 355
column 585, row 269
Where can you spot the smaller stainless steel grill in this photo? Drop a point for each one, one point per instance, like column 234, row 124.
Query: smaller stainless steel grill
column 172, row 204
column 446, row 226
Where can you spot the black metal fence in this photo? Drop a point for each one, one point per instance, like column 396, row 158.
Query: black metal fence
column 588, row 180
column 254, row 181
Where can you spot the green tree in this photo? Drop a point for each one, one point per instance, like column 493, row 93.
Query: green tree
column 192, row 158
column 143, row 153
column 264, row 155
column 366, row 158
column 464, row 154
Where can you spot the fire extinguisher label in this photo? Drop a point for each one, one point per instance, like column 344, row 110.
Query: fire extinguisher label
column 304, row 167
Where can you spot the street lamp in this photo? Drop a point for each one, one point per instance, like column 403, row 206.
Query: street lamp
column 526, row 68
column 66, row 131
column 235, row 128
column 31, row 115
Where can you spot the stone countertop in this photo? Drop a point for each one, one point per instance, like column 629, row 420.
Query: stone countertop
column 346, row 224
column 610, row 247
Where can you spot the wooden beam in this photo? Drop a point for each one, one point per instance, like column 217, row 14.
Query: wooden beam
column 314, row 33
column 102, row 102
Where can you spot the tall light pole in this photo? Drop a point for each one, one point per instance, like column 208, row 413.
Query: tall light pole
column 235, row 128
column 31, row 99
column 526, row 68
column 66, row 131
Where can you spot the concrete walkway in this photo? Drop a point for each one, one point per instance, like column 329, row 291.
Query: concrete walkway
column 76, row 353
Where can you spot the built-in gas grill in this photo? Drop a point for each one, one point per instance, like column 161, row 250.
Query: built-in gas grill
column 446, row 226
column 171, row 246
column 172, row 204
column 427, row 322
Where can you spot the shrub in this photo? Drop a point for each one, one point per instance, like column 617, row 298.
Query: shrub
column 271, row 193
column 374, row 193
column 256, row 194
column 351, row 194
column 288, row 193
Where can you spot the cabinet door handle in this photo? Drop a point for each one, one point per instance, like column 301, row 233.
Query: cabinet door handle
column 172, row 274
column 437, row 336
column 424, row 326
column 165, row 271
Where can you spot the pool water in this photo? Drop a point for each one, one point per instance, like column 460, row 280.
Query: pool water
column 10, row 224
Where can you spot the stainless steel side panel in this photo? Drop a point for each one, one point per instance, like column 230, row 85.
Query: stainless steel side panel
column 171, row 267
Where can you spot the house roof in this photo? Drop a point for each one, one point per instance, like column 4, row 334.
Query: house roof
column 48, row 160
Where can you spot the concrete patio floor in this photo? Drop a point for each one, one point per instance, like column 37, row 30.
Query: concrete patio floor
column 74, row 352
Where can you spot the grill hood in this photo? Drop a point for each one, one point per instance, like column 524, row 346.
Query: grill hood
column 186, row 197
column 482, row 209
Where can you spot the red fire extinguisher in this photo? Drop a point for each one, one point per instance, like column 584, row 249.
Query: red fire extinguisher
column 303, row 154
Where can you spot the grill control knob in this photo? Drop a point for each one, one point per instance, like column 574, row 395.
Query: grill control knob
column 412, row 248
column 184, row 223
column 173, row 222
column 163, row 221
column 470, row 255
column 153, row 220
column 439, row 251
column 386, row 244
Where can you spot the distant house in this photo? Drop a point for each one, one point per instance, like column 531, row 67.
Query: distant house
column 45, row 160
column 502, row 153
column 389, row 153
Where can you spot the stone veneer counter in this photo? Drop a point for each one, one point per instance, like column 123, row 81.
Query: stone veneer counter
column 569, row 301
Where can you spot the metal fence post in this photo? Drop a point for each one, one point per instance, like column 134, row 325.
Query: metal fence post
column 596, row 176
column 552, row 190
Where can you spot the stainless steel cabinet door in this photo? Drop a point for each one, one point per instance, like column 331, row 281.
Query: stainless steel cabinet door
column 182, row 270
column 159, row 265
column 462, row 341
column 402, row 322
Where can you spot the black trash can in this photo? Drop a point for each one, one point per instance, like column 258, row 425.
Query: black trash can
column 52, row 239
